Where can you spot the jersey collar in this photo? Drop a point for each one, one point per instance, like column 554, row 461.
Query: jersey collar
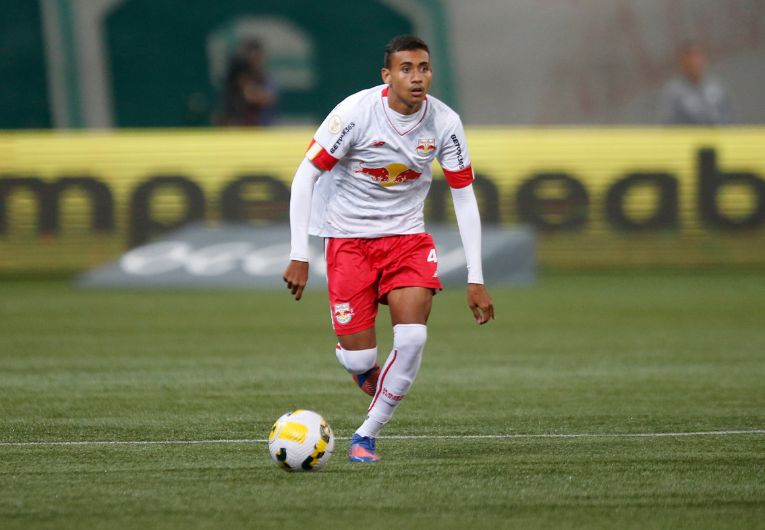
column 392, row 123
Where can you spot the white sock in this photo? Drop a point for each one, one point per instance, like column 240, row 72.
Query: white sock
column 396, row 376
column 356, row 361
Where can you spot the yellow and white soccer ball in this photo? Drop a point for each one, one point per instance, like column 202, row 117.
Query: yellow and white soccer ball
column 301, row 440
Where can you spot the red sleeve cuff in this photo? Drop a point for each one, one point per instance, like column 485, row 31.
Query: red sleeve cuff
column 320, row 157
column 459, row 179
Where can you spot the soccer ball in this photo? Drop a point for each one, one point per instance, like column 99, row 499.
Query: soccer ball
column 301, row 440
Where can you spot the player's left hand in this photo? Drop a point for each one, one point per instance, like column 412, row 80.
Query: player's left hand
column 480, row 303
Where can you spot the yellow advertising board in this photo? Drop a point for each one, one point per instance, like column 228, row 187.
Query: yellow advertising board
column 595, row 197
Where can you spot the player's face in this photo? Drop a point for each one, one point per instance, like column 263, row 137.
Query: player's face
column 409, row 78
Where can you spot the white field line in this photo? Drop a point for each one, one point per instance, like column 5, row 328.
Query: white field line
column 392, row 437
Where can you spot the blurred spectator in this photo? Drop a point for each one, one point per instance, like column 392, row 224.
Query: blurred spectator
column 248, row 97
column 692, row 98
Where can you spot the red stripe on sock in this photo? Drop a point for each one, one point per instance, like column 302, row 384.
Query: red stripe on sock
column 382, row 380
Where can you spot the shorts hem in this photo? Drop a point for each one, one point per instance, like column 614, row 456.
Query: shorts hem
column 436, row 287
column 352, row 330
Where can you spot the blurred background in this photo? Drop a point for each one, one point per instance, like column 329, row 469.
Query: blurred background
column 142, row 63
column 617, row 132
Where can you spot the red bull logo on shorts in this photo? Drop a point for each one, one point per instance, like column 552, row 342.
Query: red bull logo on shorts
column 389, row 175
column 343, row 313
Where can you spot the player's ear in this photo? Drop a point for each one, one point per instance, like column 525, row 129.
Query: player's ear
column 385, row 74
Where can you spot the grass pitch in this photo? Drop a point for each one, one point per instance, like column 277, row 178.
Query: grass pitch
column 626, row 362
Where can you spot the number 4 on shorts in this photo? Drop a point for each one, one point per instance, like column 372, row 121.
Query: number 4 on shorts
column 432, row 258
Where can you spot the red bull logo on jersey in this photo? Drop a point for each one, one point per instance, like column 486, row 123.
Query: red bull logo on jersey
column 390, row 175
column 343, row 313
column 425, row 146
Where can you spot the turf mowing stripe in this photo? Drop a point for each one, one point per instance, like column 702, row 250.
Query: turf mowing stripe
column 391, row 437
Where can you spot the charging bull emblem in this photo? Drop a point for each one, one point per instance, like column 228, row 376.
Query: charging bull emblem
column 425, row 146
column 343, row 313
column 390, row 175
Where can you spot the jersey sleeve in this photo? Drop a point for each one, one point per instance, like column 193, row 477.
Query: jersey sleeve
column 334, row 137
column 453, row 155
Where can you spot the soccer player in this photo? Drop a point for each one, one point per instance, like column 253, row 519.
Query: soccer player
column 362, row 186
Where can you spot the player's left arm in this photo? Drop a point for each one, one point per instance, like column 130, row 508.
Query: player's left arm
column 469, row 223
column 455, row 162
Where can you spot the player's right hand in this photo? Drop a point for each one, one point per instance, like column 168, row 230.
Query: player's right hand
column 296, row 277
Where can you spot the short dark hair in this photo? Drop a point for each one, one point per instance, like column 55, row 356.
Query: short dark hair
column 403, row 43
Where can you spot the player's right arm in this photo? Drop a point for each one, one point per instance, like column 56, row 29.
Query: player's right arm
column 296, row 274
column 338, row 133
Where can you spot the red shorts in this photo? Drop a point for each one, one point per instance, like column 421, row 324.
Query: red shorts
column 361, row 272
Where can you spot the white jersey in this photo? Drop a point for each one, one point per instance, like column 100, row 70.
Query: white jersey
column 378, row 165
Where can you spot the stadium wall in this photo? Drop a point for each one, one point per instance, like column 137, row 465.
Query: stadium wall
column 598, row 61
column 595, row 197
column 142, row 63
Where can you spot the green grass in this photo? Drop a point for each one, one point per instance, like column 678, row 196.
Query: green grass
column 575, row 354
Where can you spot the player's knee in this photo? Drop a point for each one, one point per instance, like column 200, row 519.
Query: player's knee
column 410, row 338
column 408, row 343
column 356, row 361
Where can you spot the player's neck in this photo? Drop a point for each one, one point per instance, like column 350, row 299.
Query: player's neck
column 407, row 112
column 402, row 108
